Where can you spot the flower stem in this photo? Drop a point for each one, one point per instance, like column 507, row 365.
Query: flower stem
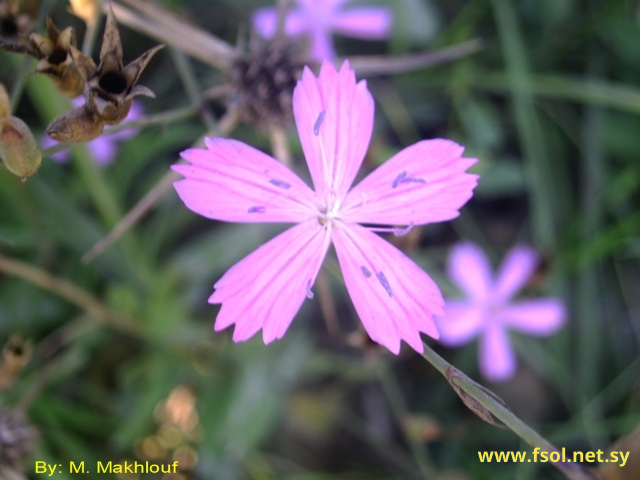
column 70, row 292
column 466, row 387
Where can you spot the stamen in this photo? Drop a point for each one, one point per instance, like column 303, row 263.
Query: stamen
column 385, row 283
column 258, row 209
column 280, row 183
column 398, row 179
column 401, row 232
column 309, row 292
column 316, row 126
column 365, row 271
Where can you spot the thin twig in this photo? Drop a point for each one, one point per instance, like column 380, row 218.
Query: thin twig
column 15, row 47
column 373, row 65
column 167, row 28
column 70, row 292
column 152, row 197
column 499, row 410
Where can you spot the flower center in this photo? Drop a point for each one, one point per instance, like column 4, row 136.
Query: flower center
column 328, row 207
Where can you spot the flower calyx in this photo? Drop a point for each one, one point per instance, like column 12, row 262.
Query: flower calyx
column 61, row 60
column 113, row 86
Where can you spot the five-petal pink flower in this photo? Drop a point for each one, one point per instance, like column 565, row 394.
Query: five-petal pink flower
column 318, row 19
column 489, row 311
column 424, row 183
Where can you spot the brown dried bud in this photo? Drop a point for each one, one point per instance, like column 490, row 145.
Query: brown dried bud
column 15, row 355
column 113, row 86
column 19, row 150
column 79, row 125
column 61, row 60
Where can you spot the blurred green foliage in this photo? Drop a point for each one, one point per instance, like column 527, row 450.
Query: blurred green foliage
column 550, row 106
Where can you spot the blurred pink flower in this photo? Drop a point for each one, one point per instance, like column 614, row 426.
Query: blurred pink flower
column 424, row 183
column 489, row 311
column 318, row 19
column 104, row 148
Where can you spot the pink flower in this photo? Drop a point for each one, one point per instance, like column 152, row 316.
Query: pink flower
column 231, row 181
column 318, row 19
column 489, row 311
column 104, row 148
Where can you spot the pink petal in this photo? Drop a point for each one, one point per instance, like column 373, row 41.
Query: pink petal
column 104, row 150
column 469, row 268
column 497, row 360
column 341, row 111
column 266, row 288
column 394, row 297
column 369, row 23
column 423, row 183
column 461, row 322
column 234, row 182
column 265, row 21
column 321, row 45
column 535, row 317
column 515, row 271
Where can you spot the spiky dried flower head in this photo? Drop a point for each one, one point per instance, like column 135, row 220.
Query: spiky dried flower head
column 17, row 439
column 19, row 150
column 61, row 60
column 264, row 79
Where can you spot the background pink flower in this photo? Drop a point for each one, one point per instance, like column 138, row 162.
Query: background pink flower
column 424, row 183
column 319, row 19
column 103, row 148
column 489, row 311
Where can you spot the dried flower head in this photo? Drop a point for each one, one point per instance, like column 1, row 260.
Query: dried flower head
column 17, row 439
column 112, row 88
column 111, row 91
column 265, row 79
column 19, row 150
column 61, row 60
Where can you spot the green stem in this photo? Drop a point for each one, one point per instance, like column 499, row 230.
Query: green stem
column 499, row 410
column 399, row 407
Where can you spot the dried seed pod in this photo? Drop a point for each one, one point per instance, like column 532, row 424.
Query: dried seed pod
column 15, row 355
column 79, row 125
column 61, row 60
column 113, row 85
